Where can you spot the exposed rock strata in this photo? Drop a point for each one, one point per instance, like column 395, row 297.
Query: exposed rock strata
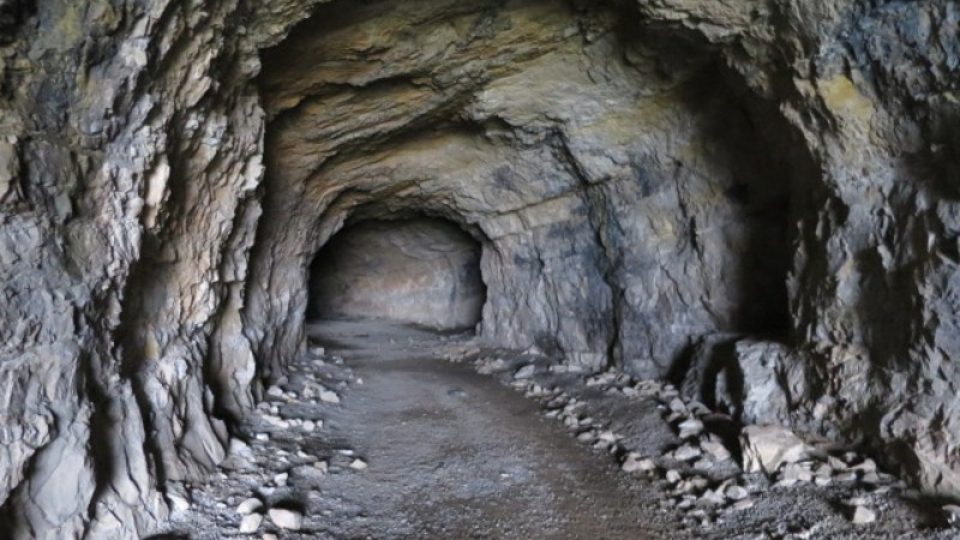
column 641, row 177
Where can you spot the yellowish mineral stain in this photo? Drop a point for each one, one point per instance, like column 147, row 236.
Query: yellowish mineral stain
column 844, row 100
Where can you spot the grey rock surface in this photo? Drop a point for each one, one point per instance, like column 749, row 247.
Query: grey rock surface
column 640, row 177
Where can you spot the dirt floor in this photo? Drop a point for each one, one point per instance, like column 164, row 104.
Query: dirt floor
column 380, row 435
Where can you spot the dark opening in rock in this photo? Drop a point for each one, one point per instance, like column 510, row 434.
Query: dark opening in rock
column 421, row 271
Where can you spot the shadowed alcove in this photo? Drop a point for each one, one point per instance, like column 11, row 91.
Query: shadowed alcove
column 421, row 271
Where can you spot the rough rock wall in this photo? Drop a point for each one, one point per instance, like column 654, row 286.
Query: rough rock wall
column 873, row 89
column 420, row 271
column 591, row 166
column 646, row 179
column 130, row 143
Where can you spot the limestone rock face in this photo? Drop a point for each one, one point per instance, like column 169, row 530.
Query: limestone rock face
column 641, row 178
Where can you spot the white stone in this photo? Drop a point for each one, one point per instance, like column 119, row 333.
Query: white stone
column 286, row 519
column 951, row 513
column 713, row 497
column 715, row 448
column 525, row 372
column 250, row 523
column 736, row 493
column 686, row 453
column 691, row 427
column 634, row 462
column 180, row 504
column 322, row 466
column 673, row 476
column 766, row 448
column 249, row 506
column 863, row 515
column 329, row 396
column 358, row 465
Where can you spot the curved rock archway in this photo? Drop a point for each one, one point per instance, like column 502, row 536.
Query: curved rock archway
column 660, row 187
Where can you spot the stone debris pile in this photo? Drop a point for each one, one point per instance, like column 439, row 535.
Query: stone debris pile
column 699, row 471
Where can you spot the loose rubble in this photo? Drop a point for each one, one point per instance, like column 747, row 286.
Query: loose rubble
column 773, row 457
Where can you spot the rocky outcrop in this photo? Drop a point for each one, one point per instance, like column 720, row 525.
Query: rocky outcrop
column 641, row 177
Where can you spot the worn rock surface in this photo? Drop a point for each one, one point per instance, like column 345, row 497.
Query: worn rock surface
column 765, row 193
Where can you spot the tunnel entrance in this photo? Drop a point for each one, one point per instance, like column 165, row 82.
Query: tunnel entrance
column 422, row 271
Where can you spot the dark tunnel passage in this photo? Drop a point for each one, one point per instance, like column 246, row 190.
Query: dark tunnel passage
column 422, row 271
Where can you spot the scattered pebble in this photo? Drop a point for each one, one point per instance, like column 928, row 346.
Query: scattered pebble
column 329, row 396
column 250, row 523
column 286, row 519
column 634, row 462
column 249, row 506
column 863, row 515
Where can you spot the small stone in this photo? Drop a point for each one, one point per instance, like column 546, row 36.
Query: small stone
column 634, row 462
column 713, row 497
column 736, row 493
column 322, row 466
column 691, row 427
column 358, row 465
column 743, row 504
column 715, row 448
column 951, row 514
column 525, row 372
column 866, row 466
column 673, row 476
column 286, row 519
column 608, row 436
column 846, row 477
column 863, row 515
column 699, row 482
column 329, row 396
column 766, row 448
column 309, row 425
column 250, row 523
column 249, row 506
column 262, row 437
column 180, row 504
column 275, row 391
column 871, row 478
column 276, row 421
column 281, row 479
column 795, row 472
column 686, row 453
column 702, row 464
column 269, row 536
column 677, row 405
column 239, row 448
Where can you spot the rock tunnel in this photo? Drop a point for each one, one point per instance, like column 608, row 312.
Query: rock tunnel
column 420, row 271
column 734, row 217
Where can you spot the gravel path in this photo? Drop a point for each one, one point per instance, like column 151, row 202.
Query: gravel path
column 376, row 434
